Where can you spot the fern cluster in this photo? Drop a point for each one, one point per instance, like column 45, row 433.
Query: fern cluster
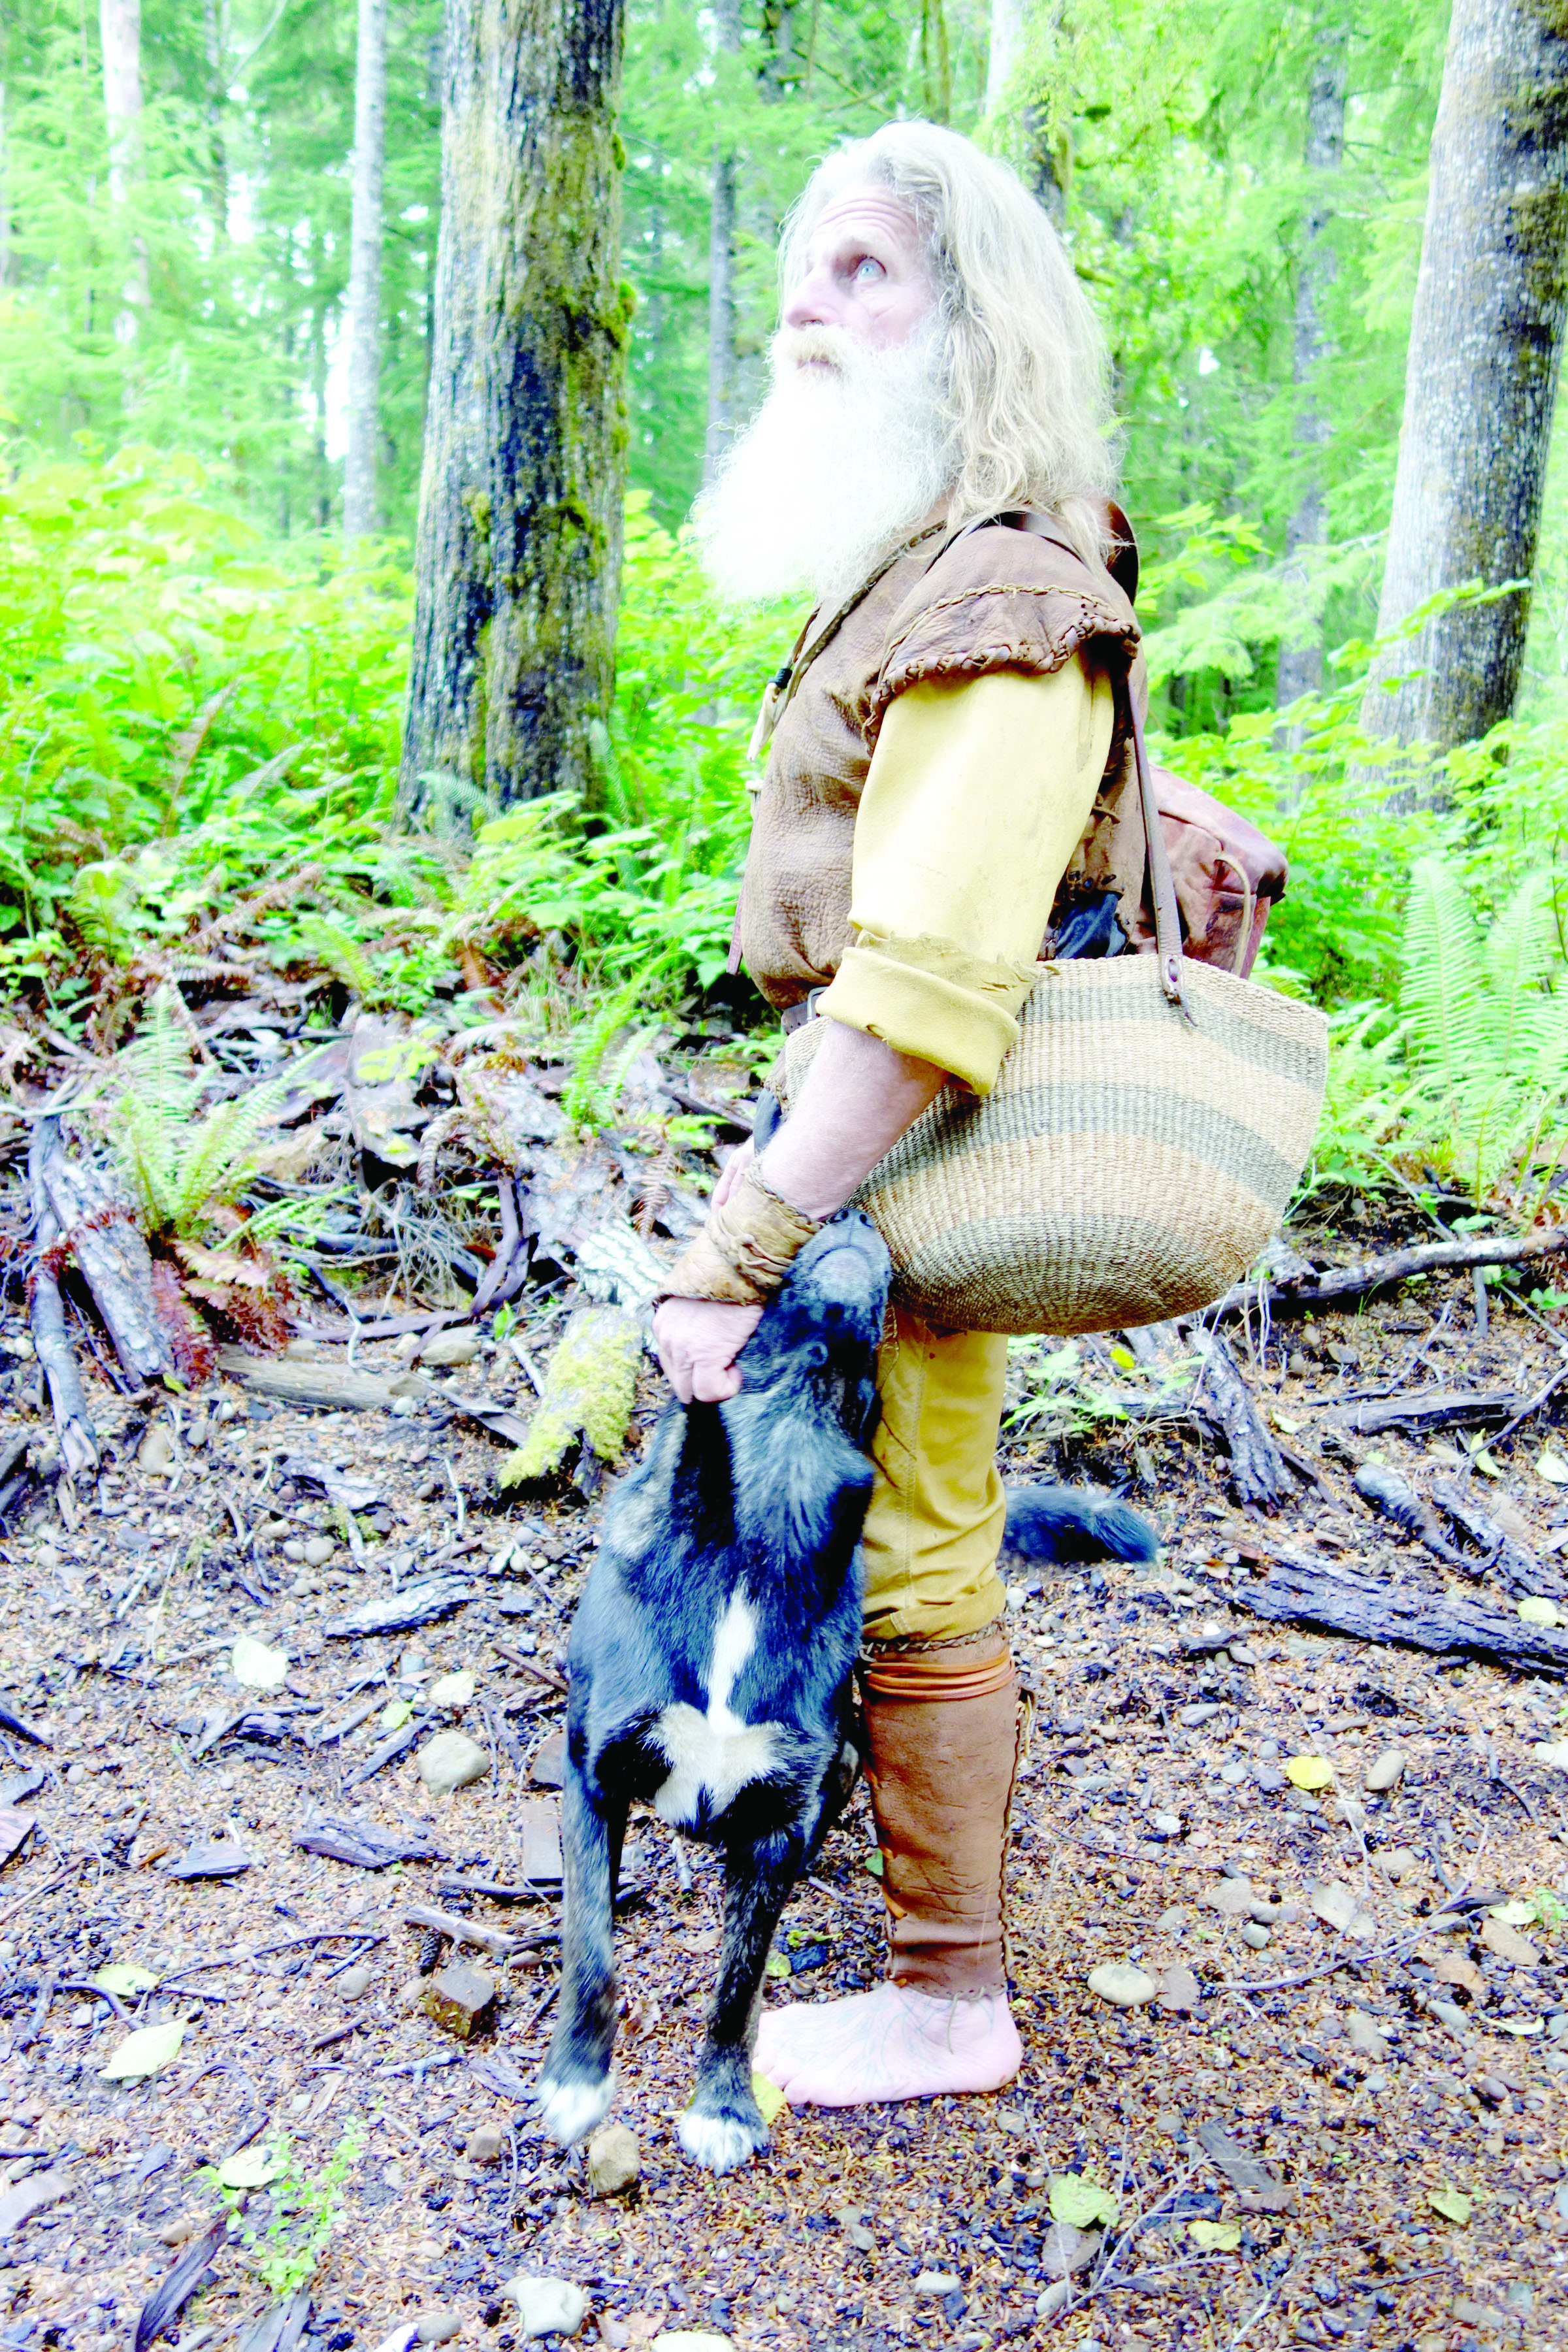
column 181, row 1162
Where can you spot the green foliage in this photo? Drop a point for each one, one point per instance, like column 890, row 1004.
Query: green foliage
column 304, row 2210
column 180, row 1166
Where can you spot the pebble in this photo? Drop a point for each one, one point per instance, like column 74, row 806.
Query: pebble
column 354, row 1981
column 157, row 1451
column 448, row 1349
column 1168, row 1825
column 547, row 2307
column 1233, row 1899
column 614, row 2160
column 1385, row 1773
column 441, row 2324
column 1257, row 1934
column 1123, row 1986
column 319, row 1549
column 1364, row 2037
column 1172, row 1922
column 1047, row 2305
column 1336, row 1906
column 485, row 2143
column 936, row 2282
column 451, row 1760
column 1201, row 1710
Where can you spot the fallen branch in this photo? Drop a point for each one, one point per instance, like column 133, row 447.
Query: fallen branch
column 1327, row 1592
column 1257, row 1470
column 494, row 1941
column 111, row 1254
column 67, row 1399
column 325, row 1384
column 1503, row 1555
column 1318, row 1285
column 1427, row 1408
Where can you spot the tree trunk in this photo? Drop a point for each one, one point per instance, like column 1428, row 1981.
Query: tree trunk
column 520, row 504
column 364, row 271
column 722, row 370
column 1300, row 668
column 120, row 30
column 1008, row 18
column 1485, row 341
column 5, row 199
column 217, row 92
column 936, row 61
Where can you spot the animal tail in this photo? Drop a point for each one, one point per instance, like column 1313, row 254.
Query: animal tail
column 1067, row 1523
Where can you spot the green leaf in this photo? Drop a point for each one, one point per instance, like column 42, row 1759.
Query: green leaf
column 1079, row 2198
column 252, row 2168
column 126, row 1979
column 1216, row 2237
column 143, row 2053
column 778, row 1966
column 256, row 1665
column 768, row 2097
column 395, row 1713
column 1452, row 2204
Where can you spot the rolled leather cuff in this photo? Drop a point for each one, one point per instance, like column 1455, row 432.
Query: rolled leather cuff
column 745, row 1249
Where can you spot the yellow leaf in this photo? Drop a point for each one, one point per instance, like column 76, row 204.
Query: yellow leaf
column 126, row 1979
column 1284, row 1421
column 1079, row 2198
column 1308, row 1771
column 874, row 1863
column 768, row 2097
column 777, row 1965
column 1549, row 1466
column 1536, row 1609
column 453, row 1690
column 253, row 2168
column 395, row 1713
column 1216, row 2237
column 256, row 1665
column 1124, row 1359
column 143, row 2053
column 1514, row 1915
column 1451, row 2203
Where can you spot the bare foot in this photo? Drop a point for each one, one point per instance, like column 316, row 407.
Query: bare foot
column 893, row 2044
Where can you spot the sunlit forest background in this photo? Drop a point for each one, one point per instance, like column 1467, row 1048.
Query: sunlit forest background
column 205, row 670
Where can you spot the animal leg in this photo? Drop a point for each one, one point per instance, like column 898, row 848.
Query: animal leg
column 576, row 2084
column 723, row 2126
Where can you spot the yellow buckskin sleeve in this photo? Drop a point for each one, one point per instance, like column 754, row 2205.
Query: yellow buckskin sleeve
column 978, row 792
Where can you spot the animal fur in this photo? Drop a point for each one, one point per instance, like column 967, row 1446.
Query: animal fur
column 711, row 1663
column 1067, row 1523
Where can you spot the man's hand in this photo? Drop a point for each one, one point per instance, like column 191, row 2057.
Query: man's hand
column 698, row 1342
column 735, row 1169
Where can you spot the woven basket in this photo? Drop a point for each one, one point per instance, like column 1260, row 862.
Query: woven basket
column 1129, row 1165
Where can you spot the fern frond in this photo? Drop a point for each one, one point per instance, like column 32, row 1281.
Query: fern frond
column 1443, row 996
column 1521, row 950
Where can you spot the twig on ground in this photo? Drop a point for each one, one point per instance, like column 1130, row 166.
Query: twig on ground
column 1317, row 1287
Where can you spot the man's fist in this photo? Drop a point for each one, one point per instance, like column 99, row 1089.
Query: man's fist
column 698, row 1342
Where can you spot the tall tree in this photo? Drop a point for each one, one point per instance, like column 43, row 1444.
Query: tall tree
column 1300, row 663
column 520, row 511
column 120, row 31
column 364, row 271
column 1485, row 347
column 722, row 371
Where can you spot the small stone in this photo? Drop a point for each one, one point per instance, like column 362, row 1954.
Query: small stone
column 1255, row 1934
column 182, row 2228
column 1510, row 1945
column 1048, row 2305
column 1397, row 1862
column 1364, row 2037
column 319, row 1549
column 485, row 2143
column 451, row 1760
column 1169, row 2122
column 1172, row 1922
column 1166, row 1825
column 547, row 2307
column 1180, row 1991
column 614, row 2160
column 1336, row 1906
column 936, row 2282
column 1233, row 1899
column 1298, row 1366
column 1201, row 1710
column 1123, row 1986
column 354, row 1982
column 1385, row 1773
column 460, row 1999
column 1346, row 1357
column 852, row 2223
column 448, row 1349
column 156, row 1452
column 440, row 2324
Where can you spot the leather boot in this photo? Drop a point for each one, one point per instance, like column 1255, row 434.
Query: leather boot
column 943, row 1726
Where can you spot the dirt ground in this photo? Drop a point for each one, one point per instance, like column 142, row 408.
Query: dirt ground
column 1301, row 2153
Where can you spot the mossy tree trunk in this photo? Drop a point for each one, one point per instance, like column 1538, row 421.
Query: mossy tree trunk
column 520, row 505
column 1486, row 346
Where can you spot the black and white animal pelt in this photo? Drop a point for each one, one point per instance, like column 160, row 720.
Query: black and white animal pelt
column 710, row 1664
column 1069, row 1523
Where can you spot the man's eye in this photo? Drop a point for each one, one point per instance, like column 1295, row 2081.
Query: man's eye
column 866, row 267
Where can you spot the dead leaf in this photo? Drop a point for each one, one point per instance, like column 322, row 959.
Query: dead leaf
column 1455, row 1969
column 1510, row 1945
column 1452, row 2204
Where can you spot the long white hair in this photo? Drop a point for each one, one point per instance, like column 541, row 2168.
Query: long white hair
column 1026, row 374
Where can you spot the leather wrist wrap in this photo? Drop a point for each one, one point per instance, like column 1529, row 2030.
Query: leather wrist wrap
column 745, row 1249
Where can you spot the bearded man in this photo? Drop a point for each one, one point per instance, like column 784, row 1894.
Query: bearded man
column 946, row 790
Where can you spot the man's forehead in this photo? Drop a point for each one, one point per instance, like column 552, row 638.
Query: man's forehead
column 866, row 211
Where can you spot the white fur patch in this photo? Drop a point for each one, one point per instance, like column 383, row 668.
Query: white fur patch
column 570, row 2112
column 718, row 2142
column 715, row 1754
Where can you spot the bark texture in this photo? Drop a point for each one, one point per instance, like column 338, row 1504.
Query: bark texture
column 364, row 271
column 520, row 508
column 1300, row 666
column 1486, row 342
column 724, row 373
column 120, row 32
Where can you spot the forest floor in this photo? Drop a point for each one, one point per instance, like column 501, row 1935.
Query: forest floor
column 1305, row 2148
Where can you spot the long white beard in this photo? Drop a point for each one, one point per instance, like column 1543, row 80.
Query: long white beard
column 837, row 466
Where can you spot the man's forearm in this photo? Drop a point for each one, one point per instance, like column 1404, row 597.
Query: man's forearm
column 858, row 1098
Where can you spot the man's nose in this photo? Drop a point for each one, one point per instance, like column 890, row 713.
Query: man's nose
column 814, row 302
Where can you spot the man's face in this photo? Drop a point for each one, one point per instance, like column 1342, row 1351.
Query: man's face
column 864, row 272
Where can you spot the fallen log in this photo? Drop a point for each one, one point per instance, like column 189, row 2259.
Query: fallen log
column 1426, row 1409
column 67, row 1399
column 326, row 1384
column 1317, row 1285
column 114, row 1259
column 1504, row 1555
column 1330, row 1594
column 1257, row 1471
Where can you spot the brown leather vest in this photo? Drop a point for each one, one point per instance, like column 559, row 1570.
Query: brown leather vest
column 993, row 599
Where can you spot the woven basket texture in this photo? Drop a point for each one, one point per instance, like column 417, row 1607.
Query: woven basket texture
column 1128, row 1166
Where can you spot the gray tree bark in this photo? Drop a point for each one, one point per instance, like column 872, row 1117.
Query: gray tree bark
column 520, row 508
column 364, row 271
column 120, row 31
column 724, row 373
column 1008, row 18
column 1300, row 665
column 1486, row 344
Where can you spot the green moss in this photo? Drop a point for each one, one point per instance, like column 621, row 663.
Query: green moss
column 589, row 1389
